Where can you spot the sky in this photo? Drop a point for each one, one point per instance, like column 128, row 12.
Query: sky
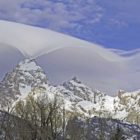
column 112, row 24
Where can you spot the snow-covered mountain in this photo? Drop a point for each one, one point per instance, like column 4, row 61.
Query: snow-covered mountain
column 62, row 57
column 18, row 83
column 27, row 78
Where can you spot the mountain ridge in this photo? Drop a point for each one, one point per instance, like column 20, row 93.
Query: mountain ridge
column 30, row 79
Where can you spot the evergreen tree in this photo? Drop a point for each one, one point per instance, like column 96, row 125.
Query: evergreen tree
column 118, row 135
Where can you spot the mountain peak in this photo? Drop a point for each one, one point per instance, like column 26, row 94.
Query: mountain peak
column 72, row 83
column 28, row 65
column 75, row 79
column 30, row 72
column 25, row 76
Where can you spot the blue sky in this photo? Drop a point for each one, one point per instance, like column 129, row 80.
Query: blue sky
column 113, row 24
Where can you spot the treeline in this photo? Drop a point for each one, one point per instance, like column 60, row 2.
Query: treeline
column 42, row 119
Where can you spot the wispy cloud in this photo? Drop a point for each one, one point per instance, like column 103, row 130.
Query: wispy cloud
column 60, row 14
column 52, row 14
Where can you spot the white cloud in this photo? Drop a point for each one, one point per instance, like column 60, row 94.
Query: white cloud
column 118, row 23
column 55, row 15
column 75, row 17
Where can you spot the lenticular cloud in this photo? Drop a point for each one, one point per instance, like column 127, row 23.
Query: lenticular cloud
column 63, row 56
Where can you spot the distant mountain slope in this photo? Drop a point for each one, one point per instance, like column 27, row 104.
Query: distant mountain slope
column 102, row 128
